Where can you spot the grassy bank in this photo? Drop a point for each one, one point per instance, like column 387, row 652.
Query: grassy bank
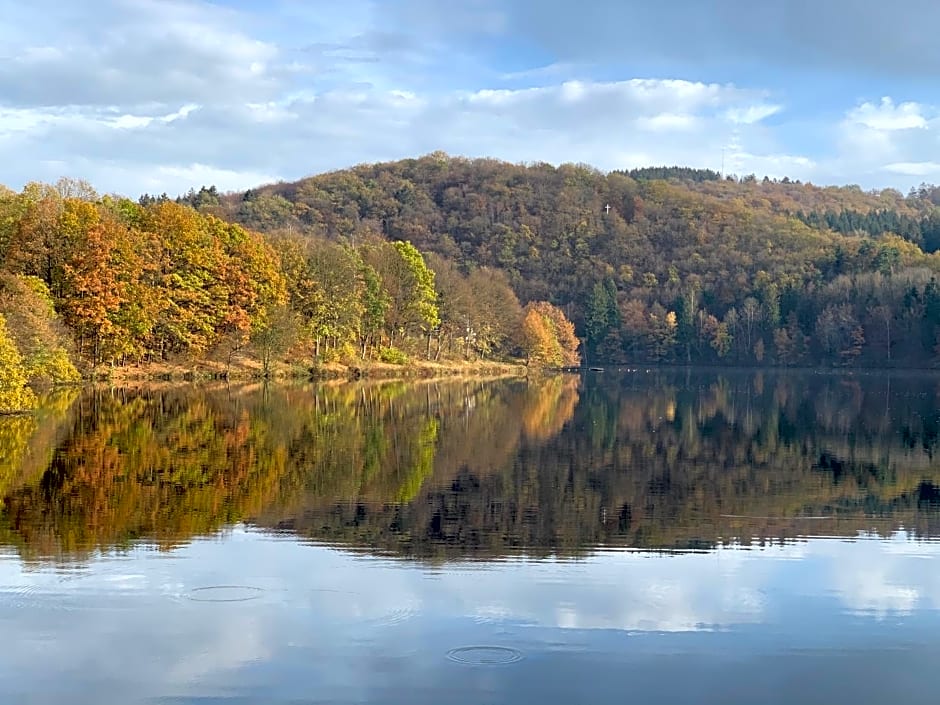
column 247, row 369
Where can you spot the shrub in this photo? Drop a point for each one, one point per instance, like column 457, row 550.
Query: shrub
column 392, row 356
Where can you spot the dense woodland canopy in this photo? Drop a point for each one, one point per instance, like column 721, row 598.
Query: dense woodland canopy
column 449, row 258
column 653, row 265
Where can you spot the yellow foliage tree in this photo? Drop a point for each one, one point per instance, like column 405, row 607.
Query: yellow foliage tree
column 36, row 330
column 15, row 396
column 540, row 345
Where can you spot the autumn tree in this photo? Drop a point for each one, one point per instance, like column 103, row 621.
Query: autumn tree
column 835, row 327
column 250, row 276
column 332, row 305
column 375, row 304
column 635, row 328
column 273, row 335
column 663, row 326
column 409, row 284
column 212, row 279
column 494, row 312
column 548, row 336
column 455, row 304
column 93, row 293
column 538, row 341
column 15, row 396
column 39, row 335
column 790, row 342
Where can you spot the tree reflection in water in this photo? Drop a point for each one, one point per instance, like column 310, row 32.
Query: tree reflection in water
column 442, row 470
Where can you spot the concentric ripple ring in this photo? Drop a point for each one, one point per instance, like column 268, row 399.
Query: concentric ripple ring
column 485, row 655
column 225, row 593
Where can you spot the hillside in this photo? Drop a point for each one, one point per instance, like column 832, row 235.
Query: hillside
column 655, row 264
column 452, row 260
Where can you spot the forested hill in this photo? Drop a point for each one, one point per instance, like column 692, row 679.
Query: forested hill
column 668, row 264
column 453, row 259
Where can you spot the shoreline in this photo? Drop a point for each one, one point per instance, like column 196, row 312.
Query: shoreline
column 250, row 371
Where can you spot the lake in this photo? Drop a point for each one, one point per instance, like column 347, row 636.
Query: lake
column 649, row 536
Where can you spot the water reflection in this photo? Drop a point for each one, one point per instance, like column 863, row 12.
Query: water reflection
column 673, row 537
column 665, row 461
column 330, row 626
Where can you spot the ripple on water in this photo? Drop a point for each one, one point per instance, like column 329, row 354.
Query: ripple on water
column 394, row 617
column 225, row 593
column 28, row 597
column 485, row 655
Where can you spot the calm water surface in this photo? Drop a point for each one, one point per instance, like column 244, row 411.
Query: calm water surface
column 651, row 537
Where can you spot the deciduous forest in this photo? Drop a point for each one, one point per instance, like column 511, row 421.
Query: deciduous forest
column 89, row 282
column 669, row 265
column 453, row 259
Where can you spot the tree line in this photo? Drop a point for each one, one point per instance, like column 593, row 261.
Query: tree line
column 923, row 231
column 88, row 281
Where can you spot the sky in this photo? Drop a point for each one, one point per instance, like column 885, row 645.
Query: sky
column 164, row 95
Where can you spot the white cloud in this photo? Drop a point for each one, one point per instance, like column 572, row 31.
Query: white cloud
column 606, row 124
column 130, row 122
column 914, row 168
column 773, row 165
column 127, row 54
column 224, row 179
column 752, row 113
column 665, row 122
column 876, row 143
column 152, row 95
column 576, row 103
column 887, row 116
column 313, row 130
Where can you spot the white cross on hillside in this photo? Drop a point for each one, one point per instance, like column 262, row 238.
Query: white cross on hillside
column 607, row 209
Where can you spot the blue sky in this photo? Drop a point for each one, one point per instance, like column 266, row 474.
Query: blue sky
column 163, row 95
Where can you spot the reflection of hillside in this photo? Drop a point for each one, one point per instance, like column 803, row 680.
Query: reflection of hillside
column 475, row 425
column 670, row 463
column 170, row 464
column 464, row 468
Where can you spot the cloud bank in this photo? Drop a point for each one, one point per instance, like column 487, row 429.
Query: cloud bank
column 148, row 95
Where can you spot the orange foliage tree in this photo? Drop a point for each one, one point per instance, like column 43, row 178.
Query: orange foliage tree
column 548, row 337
